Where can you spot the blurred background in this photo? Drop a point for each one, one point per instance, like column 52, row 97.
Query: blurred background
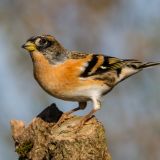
column 121, row 28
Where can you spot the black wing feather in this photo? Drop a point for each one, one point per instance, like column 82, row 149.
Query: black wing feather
column 109, row 63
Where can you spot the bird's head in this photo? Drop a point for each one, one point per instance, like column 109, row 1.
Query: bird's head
column 46, row 45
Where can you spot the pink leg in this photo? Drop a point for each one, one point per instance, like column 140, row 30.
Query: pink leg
column 65, row 116
column 97, row 105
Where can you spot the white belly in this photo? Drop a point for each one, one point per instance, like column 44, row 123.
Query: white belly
column 85, row 94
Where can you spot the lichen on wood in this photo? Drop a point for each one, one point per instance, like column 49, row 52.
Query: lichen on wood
column 41, row 140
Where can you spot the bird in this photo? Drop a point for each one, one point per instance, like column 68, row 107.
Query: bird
column 77, row 76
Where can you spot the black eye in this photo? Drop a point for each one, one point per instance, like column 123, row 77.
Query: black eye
column 42, row 41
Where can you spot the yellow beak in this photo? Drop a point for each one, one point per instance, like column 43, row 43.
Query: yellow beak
column 29, row 46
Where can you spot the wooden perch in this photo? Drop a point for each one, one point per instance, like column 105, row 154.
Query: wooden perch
column 40, row 140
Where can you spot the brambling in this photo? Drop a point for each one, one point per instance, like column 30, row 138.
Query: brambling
column 77, row 76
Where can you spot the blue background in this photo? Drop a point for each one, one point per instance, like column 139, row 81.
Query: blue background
column 121, row 28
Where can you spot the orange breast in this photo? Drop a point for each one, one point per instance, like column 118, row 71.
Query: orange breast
column 58, row 79
column 61, row 80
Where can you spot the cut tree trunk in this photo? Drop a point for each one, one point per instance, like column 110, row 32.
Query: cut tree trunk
column 41, row 140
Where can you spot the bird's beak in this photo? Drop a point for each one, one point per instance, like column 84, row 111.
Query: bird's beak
column 29, row 46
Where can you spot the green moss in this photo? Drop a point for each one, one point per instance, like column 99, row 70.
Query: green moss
column 24, row 148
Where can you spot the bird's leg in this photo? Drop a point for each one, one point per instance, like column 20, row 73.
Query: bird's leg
column 65, row 115
column 97, row 106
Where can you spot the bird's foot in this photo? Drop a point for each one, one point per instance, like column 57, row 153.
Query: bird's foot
column 81, row 123
column 63, row 118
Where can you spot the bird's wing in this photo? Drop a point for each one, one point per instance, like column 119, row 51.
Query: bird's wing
column 99, row 64
column 104, row 67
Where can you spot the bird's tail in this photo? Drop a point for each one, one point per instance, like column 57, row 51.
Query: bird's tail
column 148, row 64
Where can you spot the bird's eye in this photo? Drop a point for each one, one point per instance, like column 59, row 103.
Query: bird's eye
column 41, row 42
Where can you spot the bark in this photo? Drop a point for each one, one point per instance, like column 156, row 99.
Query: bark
column 41, row 140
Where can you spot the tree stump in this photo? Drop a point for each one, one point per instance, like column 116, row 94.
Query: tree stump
column 40, row 140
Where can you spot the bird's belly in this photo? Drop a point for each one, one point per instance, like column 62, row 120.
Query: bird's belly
column 63, row 93
column 66, row 90
column 64, row 84
column 85, row 93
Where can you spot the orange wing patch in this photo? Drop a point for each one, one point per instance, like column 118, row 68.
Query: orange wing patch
column 97, row 65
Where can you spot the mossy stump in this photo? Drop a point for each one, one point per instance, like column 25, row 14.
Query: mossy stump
column 41, row 140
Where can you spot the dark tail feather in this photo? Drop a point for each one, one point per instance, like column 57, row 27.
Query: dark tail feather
column 149, row 64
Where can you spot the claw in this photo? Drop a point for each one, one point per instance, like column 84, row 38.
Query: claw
column 81, row 123
column 67, row 115
column 63, row 118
